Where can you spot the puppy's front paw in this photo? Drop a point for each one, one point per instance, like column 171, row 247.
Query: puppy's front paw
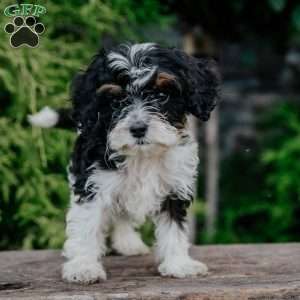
column 182, row 267
column 83, row 271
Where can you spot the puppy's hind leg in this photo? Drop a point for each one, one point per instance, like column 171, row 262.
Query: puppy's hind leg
column 85, row 243
column 125, row 240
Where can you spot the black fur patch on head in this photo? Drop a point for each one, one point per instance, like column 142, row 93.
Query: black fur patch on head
column 198, row 79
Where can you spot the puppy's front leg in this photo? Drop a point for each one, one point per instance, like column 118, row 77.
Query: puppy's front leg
column 85, row 243
column 172, row 241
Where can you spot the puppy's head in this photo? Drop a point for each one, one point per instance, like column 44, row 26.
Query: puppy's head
column 140, row 95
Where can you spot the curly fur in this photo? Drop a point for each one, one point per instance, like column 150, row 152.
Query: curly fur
column 135, row 155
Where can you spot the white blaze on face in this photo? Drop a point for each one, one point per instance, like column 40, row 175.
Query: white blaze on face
column 159, row 131
column 133, row 63
column 143, row 76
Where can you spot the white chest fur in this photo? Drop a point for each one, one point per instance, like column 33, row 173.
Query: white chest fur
column 146, row 178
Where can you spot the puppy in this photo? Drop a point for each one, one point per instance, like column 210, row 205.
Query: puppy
column 134, row 157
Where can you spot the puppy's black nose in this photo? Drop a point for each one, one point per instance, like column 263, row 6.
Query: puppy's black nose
column 139, row 129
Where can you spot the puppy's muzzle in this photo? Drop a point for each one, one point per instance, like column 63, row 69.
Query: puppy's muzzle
column 138, row 130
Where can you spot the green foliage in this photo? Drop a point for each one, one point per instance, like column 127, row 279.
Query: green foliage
column 296, row 18
column 261, row 201
column 277, row 5
column 260, row 194
column 282, row 159
column 33, row 188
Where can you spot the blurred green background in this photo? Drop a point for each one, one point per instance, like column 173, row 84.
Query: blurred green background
column 257, row 190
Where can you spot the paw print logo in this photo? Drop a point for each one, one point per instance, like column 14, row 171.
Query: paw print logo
column 24, row 32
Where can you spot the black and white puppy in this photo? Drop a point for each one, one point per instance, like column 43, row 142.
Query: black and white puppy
column 135, row 156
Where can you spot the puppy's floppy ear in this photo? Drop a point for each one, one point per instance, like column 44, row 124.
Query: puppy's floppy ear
column 85, row 83
column 203, row 82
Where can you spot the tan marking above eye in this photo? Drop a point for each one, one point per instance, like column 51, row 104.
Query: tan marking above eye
column 110, row 88
column 165, row 80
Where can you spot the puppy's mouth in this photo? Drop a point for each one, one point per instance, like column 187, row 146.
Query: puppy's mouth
column 142, row 142
column 142, row 145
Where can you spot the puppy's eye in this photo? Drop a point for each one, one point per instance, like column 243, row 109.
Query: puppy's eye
column 147, row 61
column 115, row 104
column 163, row 98
column 118, row 103
column 123, row 79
